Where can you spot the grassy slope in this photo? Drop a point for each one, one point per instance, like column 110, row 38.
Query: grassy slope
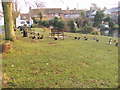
column 1, row 26
column 64, row 63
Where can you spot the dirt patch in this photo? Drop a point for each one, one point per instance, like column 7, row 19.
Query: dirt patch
column 51, row 43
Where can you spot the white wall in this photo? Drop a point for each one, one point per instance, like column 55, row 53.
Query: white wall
column 31, row 21
column 20, row 22
column 1, row 21
column 71, row 15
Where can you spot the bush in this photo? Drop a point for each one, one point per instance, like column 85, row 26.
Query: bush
column 35, row 21
column 66, row 28
column 102, row 27
column 45, row 23
column 60, row 25
column 85, row 30
column 34, row 25
column 57, row 23
column 72, row 26
column 115, row 26
column 88, row 28
column 95, row 32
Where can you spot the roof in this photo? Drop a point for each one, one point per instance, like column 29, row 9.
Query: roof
column 24, row 16
column 91, row 12
column 72, row 11
column 46, row 10
column 112, row 10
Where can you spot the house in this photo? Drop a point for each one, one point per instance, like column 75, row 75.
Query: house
column 91, row 13
column 48, row 13
column 24, row 19
column 1, row 19
column 113, row 13
column 71, row 13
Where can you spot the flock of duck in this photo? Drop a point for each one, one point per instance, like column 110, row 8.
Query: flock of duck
column 38, row 36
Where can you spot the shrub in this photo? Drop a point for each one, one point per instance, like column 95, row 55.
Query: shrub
column 115, row 26
column 35, row 21
column 88, row 28
column 85, row 29
column 102, row 27
column 45, row 23
column 72, row 26
column 95, row 32
column 57, row 23
column 66, row 28
column 60, row 25
column 34, row 25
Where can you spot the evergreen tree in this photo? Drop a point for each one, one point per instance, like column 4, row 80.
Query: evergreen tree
column 57, row 23
column 41, row 16
column 98, row 18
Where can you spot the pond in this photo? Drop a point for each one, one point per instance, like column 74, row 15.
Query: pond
column 112, row 33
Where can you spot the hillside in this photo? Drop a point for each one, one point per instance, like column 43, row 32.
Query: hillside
column 64, row 63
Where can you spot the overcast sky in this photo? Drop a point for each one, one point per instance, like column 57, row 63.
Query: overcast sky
column 81, row 4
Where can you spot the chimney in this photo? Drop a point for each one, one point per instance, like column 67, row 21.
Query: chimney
column 74, row 8
column 77, row 6
column 30, row 9
column 67, row 8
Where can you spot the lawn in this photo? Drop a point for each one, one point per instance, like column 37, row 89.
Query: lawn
column 1, row 26
column 65, row 63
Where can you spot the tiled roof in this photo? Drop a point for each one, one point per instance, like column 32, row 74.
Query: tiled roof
column 49, row 12
column 89, row 12
column 24, row 16
column 71, row 11
column 46, row 10
column 112, row 10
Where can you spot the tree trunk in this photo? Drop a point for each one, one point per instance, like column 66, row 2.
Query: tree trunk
column 8, row 20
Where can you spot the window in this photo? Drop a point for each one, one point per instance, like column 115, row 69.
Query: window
column 24, row 17
column 35, row 15
column 22, row 22
column 56, row 14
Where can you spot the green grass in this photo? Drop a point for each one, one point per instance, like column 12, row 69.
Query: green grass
column 65, row 63
column 1, row 26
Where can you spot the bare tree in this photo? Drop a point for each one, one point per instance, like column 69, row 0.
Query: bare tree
column 37, row 4
column 40, row 4
column 15, row 11
column 94, row 6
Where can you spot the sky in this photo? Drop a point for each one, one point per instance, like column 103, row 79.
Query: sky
column 63, row 4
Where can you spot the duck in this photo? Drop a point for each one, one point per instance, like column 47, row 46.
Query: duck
column 75, row 37
column 41, row 37
column 55, row 38
column 33, row 37
column 38, row 34
column 97, row 40
column 86, row 38
column 63, row 38
column 117, row 44
column 78, row 38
